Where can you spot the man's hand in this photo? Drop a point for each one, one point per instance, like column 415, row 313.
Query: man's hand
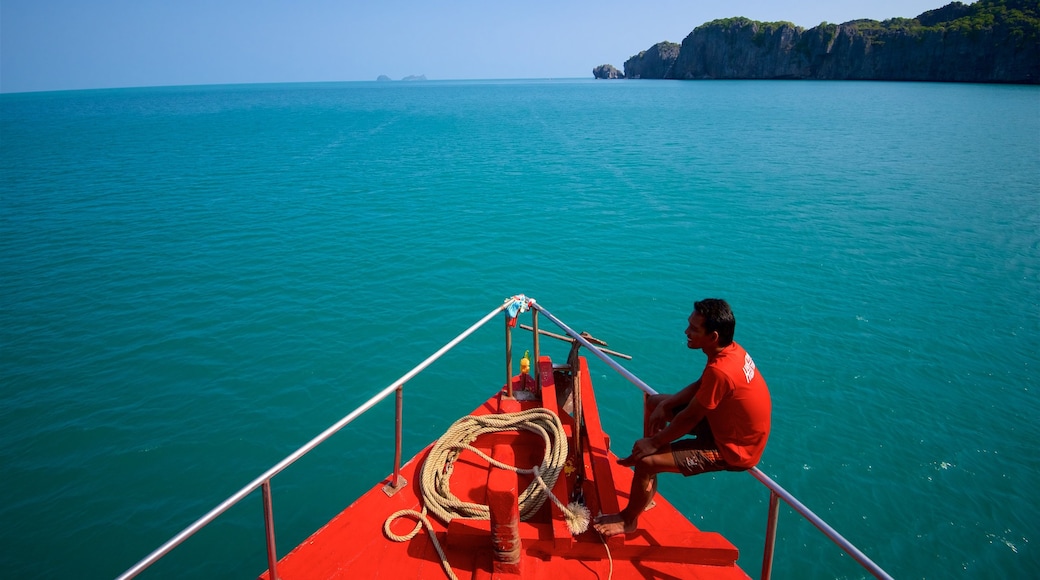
column 640, row 449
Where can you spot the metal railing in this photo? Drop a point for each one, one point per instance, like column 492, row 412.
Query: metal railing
column 776, row 492
column 263, row 482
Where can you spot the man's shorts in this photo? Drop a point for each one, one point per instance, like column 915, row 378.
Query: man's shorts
column 694, row 456
column 698, row 455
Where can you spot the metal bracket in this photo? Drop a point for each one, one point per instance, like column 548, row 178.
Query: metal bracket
column 390, row 489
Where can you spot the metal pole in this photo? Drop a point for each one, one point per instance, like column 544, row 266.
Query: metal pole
column 596, row 351
column 272, row 553
column 399, row 421
column 767, row 554
column 571, row 340
column 397, row 482
column 537, row 372
column 509, row 359
column 579, row 454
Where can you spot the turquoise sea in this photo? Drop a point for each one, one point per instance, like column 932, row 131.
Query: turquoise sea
column 195, row 281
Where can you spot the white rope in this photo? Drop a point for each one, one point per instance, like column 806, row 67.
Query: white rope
column 610, row 559
column 421, row 521
column 440, row 463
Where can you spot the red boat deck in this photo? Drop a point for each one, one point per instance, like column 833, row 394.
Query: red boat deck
column 667, row 545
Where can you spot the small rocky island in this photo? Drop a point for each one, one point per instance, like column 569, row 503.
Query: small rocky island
column 989, row 41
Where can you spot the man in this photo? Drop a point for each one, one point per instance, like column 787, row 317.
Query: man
column 727, row 409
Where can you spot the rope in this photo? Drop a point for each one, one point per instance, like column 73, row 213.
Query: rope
column 439, row 465
column 421, row 521
column 437, row 470
column 610, row 559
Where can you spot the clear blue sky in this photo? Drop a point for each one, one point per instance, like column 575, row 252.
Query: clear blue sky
column 78, row 44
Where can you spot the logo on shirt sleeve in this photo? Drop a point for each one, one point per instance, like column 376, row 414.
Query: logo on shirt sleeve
column 749, row 367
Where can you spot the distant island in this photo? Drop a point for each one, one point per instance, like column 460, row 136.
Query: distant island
column 384, row 78
column 990, row 41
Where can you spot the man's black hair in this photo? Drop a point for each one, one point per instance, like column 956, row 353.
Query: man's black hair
column 718, row 317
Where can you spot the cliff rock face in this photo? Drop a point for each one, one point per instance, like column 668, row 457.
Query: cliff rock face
column 989, row 41
column 607, row 71
column 930, row 54
column 741, row 48
column 655, row 63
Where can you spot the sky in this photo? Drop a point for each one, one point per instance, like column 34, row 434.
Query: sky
column 48, row 45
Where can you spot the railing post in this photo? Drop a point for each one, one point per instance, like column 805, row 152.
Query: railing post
column 272, row 553
column 398, row 428
column 509, row 358
column 396, row 481
column 767, row 553
column 537, row 371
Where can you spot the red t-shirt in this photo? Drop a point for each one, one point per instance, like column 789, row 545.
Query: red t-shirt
column 738, row 404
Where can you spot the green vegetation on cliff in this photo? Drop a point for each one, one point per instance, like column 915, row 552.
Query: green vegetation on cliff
column 987, row 41
column 1021, row 18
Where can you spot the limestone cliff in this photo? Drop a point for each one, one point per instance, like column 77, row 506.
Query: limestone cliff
column 655, row 63
column 738, row 48
column 988, row 41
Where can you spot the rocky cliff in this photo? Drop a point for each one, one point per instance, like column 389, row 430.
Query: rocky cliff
column 655, row 63
column 988, row 41
column 607, row 71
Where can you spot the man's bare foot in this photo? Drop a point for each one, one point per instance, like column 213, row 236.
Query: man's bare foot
column 612, row 525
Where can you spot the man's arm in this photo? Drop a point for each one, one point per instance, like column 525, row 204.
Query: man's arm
column 679, row 426
column 687, row 419
column 662, row 414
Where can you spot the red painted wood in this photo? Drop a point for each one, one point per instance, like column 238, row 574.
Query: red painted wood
column 597, row 458
column 560, row 532
column 504, row 524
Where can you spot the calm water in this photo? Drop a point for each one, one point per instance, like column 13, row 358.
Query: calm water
column 196, row 281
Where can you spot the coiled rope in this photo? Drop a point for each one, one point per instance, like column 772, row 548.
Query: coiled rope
column 440, row 463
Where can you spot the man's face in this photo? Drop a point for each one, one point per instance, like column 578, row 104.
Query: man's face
column 696, row 338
